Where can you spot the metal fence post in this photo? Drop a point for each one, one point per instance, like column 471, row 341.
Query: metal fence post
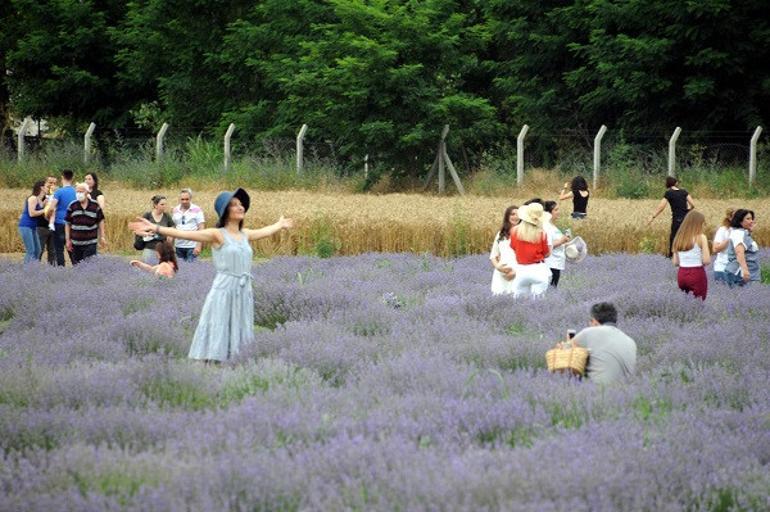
column 301, row 148
column 20, row 140
column 520, row 154
column 672, row 151
column 159, row 141
column 87, row 143
column 366, row 166
column 228, row 155
column 753, row 155
column 598, row 152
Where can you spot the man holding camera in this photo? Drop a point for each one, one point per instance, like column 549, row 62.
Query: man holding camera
column 612, row 353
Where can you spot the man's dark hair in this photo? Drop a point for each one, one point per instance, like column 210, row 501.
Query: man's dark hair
column 534, row 200
column 67, row 174
column 604, row 312
column 671, row 182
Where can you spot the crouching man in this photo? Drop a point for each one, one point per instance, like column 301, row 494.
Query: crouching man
column 612, row 353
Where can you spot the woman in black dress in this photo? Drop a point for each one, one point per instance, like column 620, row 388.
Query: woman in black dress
column 680, row 202
column 578, row 191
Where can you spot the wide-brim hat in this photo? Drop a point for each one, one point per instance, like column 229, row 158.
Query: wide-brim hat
column 223, row 200
column 532, row 213
column 575, row 250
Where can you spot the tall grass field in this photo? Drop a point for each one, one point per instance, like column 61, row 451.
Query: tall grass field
column 344, row 223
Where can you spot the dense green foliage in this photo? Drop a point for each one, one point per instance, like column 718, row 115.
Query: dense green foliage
column 381, row 77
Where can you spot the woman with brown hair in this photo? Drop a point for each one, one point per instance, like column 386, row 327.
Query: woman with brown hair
column 32, row 210
column 691, row 255
column 502, row 256
column 159, row 217
column 167, row 266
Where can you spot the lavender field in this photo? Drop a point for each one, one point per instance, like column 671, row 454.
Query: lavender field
column 378, row 382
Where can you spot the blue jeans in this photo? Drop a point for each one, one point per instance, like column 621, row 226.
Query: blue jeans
column 721, row 277
column 185, row 253
column 31, row 244
column 59, row 244
column 735, row 280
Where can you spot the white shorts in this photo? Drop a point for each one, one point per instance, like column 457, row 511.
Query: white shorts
column 532, row 279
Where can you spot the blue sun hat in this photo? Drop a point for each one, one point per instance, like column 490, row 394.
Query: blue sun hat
column 223, row 200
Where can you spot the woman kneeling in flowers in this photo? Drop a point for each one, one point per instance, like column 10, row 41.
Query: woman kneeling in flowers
column 167, row 266
column 227, row 318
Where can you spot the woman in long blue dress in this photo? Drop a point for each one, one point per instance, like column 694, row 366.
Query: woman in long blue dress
column 227, row 318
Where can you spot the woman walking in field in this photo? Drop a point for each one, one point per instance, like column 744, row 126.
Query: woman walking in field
column 530, row 243
column 721, row 241
column 680, row 201
column 227, row 318
column 502, row 256
column 577, row 190
column 691, row 255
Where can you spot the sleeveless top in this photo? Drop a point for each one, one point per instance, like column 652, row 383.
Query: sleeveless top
column 692, row 258
column 677, row 199
column 579, row 203
column 26, row 220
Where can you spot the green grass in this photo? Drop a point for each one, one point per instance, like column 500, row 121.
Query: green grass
column 627, row 171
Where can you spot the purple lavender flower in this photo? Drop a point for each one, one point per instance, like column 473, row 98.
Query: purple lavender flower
column 378, row 382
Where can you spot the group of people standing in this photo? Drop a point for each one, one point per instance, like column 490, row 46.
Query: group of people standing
column 530, row 251
column 737, row 254
column 68, row 217
column 185, row 217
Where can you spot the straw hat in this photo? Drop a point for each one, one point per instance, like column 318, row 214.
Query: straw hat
column 223, row 200
column 575, row 250
column 532, row 213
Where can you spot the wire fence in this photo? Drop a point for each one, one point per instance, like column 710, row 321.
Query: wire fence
column 570, row 150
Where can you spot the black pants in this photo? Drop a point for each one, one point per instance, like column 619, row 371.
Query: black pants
column 59, row 244
column 555, row 275
column 81, row 252
column 675, row 223
column 46, row 243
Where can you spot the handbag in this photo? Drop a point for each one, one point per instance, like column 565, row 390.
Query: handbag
column 567, row 358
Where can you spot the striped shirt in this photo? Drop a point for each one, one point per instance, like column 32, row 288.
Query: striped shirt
column 84, row 222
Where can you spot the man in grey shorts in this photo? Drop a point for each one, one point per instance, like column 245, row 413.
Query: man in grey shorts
column 612, row 353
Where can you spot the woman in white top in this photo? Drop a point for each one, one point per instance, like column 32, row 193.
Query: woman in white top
column 502, row 256
column 557, row 260
column 691, row 254
column 721, row 241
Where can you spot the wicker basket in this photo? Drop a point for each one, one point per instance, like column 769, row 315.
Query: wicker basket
column 571, row 359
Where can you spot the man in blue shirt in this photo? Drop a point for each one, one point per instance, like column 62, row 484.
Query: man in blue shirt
column 60, row 201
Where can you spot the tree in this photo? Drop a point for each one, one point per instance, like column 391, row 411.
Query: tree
column 165, row 51
column 60, row 61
